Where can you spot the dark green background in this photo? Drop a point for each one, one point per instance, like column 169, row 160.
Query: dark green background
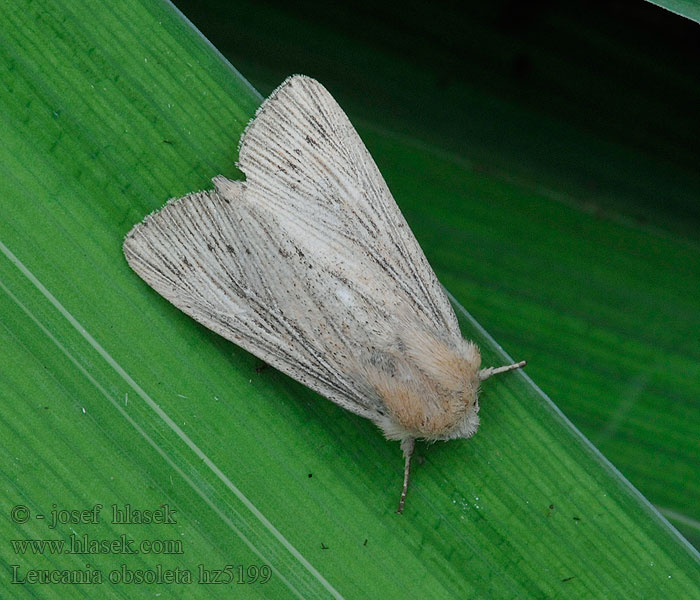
column 574, row 128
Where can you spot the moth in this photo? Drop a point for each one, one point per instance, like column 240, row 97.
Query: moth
column 309, row 265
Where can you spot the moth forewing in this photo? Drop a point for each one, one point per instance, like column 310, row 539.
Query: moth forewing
column 310, row 265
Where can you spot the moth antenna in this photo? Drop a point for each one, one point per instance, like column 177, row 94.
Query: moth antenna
column 407, row 445
column 484, row 374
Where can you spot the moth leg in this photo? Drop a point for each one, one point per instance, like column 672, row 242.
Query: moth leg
column 407, row 445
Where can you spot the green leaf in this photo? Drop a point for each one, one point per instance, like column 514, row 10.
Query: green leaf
column 545, row 215
column 685, row 8
column 110, row 396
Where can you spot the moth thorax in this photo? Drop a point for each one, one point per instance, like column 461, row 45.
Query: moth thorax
column 433, row 393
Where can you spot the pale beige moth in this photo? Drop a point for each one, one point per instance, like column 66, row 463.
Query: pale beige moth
column 309, row 265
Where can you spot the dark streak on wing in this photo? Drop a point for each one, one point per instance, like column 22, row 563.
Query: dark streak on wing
column 234, row 294
column 341, row 180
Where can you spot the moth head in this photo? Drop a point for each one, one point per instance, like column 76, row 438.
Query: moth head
column 472, row 386
column 458, row 390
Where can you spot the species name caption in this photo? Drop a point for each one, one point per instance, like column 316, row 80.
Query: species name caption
column 83, row 543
